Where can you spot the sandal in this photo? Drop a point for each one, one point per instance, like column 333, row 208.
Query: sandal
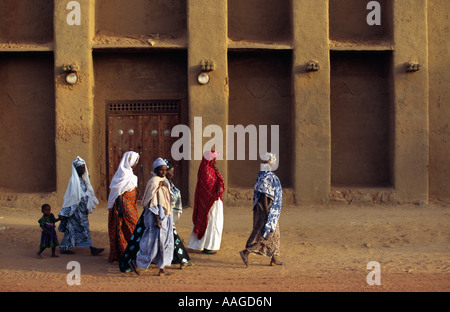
column 96, row 251
column 185, row 265
column 133, row 266
column 243, row 258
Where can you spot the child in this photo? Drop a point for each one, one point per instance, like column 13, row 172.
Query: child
column 48, row 236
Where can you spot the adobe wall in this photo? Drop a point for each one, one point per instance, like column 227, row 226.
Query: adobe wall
column 228, row 32
column 439, row 71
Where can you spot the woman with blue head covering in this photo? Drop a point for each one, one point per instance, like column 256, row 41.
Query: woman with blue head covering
column 79, row 202
column 267, row 199
column 180, row 254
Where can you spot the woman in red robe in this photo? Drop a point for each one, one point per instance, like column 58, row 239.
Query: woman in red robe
column 207, row 216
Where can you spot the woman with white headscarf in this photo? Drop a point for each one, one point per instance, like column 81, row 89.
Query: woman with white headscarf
column 267, row 199
column 155, row 233
column 79, row 201
column 122, row 205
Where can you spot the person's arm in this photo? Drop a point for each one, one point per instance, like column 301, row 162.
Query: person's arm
column 119, row 202
column 264, row 200
column 158, row 220
column 55, row 219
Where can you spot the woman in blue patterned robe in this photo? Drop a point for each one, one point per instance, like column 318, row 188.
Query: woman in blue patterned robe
column 267, row 200
column 79, row 201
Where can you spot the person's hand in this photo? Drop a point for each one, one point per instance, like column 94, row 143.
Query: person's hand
column 158, row 222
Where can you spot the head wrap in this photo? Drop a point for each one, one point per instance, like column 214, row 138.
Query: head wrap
column 270, row 162
column 210, row 155
column 78, row 162
column 74, row 192
column 159, row 162
column 169, row 164
column 124, row 179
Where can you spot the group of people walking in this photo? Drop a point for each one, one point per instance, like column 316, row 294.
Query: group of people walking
column 139, row 238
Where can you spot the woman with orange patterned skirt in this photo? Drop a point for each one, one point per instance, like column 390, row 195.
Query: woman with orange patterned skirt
column 122, row 204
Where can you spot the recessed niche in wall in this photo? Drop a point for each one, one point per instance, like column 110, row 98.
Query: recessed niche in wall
column 361, row 118
column 139, row 83
column 259, row 20
column 260, row 94
column 28, row 21
column 160, row 18
column 27, row 119
column 348, row 21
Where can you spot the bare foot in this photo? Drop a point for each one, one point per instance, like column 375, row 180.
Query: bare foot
column 244, row 256
column 163, row 272
column 275, row 261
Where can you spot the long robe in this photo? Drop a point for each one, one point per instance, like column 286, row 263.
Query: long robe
column 156, row 245
column 75, row 224
column 207, row 216
column 213, row 234
column 121, row 229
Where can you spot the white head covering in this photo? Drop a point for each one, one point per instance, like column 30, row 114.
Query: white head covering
column 124, row 179
column 270, row 162
column 74, row 192
column 159, row 162
column 210, row 155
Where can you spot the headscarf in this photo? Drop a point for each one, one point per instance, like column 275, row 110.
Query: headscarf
column 74, row 192
column 210, row 188
column 269, row 162
column 159, row 162
column 169, row 164
column 124, row 180
column 267, row 183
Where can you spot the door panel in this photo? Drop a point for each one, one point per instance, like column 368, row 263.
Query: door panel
column 148, row 135
column 124, row 134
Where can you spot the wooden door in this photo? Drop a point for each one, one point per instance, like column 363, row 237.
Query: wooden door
column 145, row 133
column 124, row 134
column 157, row 142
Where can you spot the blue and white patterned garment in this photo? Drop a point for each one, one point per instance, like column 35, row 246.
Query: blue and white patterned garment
column 75, row 225
column 177, row 205
column 267, row 183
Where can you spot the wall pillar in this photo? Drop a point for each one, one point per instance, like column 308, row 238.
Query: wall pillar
column 207, row 37
column 74, row 103
column 311, row 113
column 410, row 160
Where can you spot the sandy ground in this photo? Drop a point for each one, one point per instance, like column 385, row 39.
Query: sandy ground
column 325, row 249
